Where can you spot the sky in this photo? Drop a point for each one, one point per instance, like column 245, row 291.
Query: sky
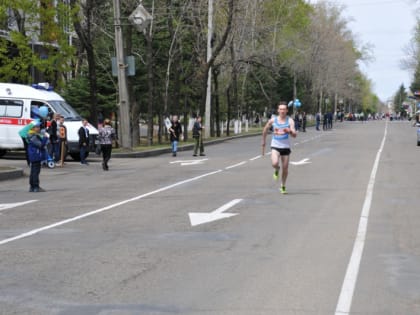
column 388, row 26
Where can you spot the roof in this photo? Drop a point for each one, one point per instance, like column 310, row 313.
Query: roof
column 13, row 90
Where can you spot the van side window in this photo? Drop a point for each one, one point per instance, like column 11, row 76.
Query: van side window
column 39, row 104
column 11, row 108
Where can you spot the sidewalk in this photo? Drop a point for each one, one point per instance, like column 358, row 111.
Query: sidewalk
column 10, row 172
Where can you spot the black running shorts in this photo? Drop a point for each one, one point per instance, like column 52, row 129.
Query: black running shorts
column 285, row 151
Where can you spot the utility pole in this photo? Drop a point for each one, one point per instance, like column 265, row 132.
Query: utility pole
column 123, row 97
column 209, row 53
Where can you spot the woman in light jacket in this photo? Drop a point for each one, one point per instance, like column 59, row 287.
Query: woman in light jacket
column 106, row 135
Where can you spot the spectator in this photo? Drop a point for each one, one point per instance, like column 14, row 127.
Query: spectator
column 62, row 142
column 325, row 122
column 304, row 121
column 37, row 152
column 106, row 135
column 83, row 141
column 318, row 120
column 54, row 138
column 198, row 137
column 175, row 134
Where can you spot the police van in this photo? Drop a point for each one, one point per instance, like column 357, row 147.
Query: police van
column 16, row 104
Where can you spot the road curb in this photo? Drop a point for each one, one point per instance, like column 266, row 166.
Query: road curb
column 11, row 173
column 14, row 172
column 187, row 147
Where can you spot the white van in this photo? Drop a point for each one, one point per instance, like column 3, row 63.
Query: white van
column 16, row 101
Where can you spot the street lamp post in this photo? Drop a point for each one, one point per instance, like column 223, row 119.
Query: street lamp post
column 124, row 101
column 209, row 53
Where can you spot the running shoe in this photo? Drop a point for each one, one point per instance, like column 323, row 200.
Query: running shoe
column 283, row 190
column 276, row 175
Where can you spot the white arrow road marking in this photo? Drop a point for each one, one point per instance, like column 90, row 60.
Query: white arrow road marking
column 107, row 208
column 301, row 162
column 189, row 162
column 197, row 218
column 4, row 206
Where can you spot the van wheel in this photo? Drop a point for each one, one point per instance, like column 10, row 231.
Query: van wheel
column 2, row 152
column 76, row 156
column 418, row 143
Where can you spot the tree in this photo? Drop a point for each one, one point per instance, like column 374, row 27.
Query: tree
column 85, row 16
column 399, row 98
column 34, row 43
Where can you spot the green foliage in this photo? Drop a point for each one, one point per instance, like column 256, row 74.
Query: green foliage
column 399, row 98
column 415, row 84
column 38, row 48
column 269, row 54
column 77, row 94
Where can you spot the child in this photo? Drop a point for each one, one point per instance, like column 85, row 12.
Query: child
column 36, row 153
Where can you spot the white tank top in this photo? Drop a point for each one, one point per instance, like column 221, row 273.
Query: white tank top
column 280, row 139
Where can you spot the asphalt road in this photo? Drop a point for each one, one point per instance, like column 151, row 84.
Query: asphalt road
column 121, row 242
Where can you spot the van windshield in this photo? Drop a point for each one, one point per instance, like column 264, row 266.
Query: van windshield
column 63, row 108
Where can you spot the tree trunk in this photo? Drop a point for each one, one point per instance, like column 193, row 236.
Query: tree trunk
column 228, row 111
column 216, row 52
column 150, row 77
column 134, row 106
column 216, row 100
column 85, row 38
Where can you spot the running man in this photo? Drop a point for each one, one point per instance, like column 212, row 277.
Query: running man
column 283, row 126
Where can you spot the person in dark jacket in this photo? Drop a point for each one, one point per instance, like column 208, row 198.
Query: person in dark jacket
column 304, row 121
column 175, row 134
column 198, row 137
column 83, row 141
column 318, row 120
column 37, row 146
column 54, row 138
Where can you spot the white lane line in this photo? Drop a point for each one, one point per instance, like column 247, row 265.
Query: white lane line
column 350, row 279
column 188, row 162
column 4, row 206
column 256, row 158
column 236, row 165
column 87, row 214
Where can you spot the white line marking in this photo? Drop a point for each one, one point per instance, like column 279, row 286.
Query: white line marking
column 87, row 214
column 350, row 279
column 301, row 162
column 256, row 158
column 197, row 218
column 4, row 206
column 189, row 162
column 236, row 165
